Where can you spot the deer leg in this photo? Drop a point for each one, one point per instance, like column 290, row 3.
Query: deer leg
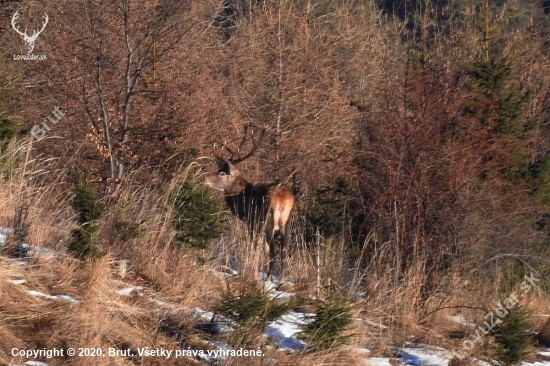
column 276, row 219
column 282, row 258
column 284, row 245
column 267, row 259
column 258, row 244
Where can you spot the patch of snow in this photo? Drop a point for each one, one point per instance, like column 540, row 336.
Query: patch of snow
column 215, row 323
column 41, row 294
column 33, row 363
column 212, row 354
column 359, row 349
column 374, row 324
column 224, row 272
column 275, row 280
column 275, row 294
column 263, row 276
column 203, row 314
column 18, row 282
column 284, row 330
column 544, row 353
column 280, row 295
column 362, row 353
column 66, row 298
column 20, row 261
column 127, row 291
column 164, row 304
column 34, row 251
column 4, row 232
column 481, row 362
column 378, row 361
column 271, row 287
column 213, row 357
column 220, row 275
column 422, row 355
column 460, row 319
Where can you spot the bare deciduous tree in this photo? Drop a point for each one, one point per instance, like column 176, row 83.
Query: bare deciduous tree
column 115, row 50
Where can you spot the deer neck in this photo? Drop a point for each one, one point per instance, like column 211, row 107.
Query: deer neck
column 237, row 187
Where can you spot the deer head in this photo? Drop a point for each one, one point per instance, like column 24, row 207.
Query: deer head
column 29, row 40
column 228, row 178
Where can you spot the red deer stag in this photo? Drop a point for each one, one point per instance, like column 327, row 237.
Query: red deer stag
column 266, row 206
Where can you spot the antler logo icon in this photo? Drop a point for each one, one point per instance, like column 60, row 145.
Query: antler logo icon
column 29, row 40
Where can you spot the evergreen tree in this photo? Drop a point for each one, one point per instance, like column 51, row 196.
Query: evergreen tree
column 83, row 241
column 196, row 216
column 512, row 340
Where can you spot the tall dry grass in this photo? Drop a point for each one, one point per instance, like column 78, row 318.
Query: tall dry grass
column 171, row 279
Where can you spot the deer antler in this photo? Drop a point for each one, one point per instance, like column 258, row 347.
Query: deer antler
column 24, row 34
column 36, row 33
column 255, row 146
column 14, row 26
column 235, row 156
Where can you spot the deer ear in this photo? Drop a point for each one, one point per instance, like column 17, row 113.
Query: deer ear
column 231, row 170
column 222, row 166
column 226, row 167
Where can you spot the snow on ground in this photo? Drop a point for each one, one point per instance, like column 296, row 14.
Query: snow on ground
column 67, row 298
column 273, row 293
column 213, row 358
column 55, row 297
column 460, row 319
column 18, row 282
column 23, row 262
column 127, row 291
column 34, row 363
column 481, row 362
column 33, row 251
column 163, row 304
column 378, row 361
column 422, row 355
column 360, row 350
column 372, row 323
column 35, row 293
column 284, row 330
column 4, row 232
column 215, row 323
column 25, row 249
column 224, row 272
column 545, row 353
